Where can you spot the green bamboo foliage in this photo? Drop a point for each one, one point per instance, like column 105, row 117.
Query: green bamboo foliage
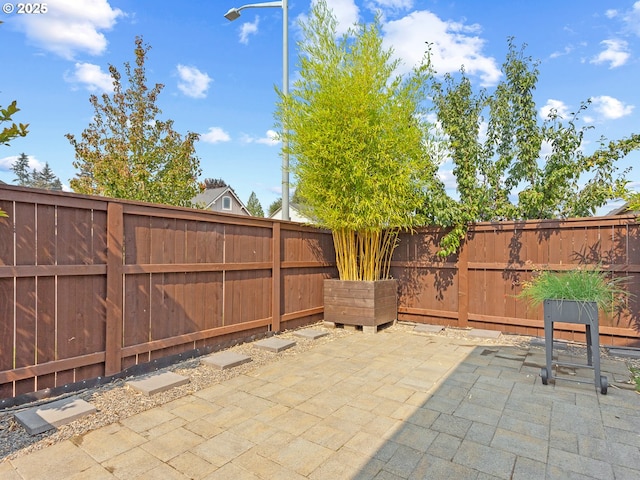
column 359, row 141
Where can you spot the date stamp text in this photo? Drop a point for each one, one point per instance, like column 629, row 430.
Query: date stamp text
column 25, row 8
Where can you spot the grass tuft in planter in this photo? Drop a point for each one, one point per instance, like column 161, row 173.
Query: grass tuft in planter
column 581, row 285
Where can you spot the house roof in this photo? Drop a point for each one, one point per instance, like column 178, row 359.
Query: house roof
column 294, row 211
column 212, row 195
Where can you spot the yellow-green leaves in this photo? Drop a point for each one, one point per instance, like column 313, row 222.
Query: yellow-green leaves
column 358, row 139
column 15, row 129
column 127, row 152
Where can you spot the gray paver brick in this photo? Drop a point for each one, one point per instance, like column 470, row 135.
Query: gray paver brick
column 274, row 344
column 46, row 417
column 480, row 333
column 570, row 462
column 520, row 444
column 158, row 382
column 226, row 359
column 436, row 468
column 310, row 333
column 527, row 469
column 395, row 405
column 427, row 328
column 485, row 459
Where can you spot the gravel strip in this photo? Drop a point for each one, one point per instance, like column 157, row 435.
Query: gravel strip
column 116, row 401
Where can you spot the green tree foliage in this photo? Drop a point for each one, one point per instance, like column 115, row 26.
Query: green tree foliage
column 506, row 175
column 253, row 205
column 14, row 129
column 44, row 178
column 359, row 144
column 273, row 208
column 127, row 152
column 214, row 183
column 21, row 169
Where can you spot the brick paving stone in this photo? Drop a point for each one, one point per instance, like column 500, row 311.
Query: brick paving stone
column 520, row 444
column 452, row 425
column 444, row 446
column 527, row 469
column 364, row 408
column 191, row 465
column 480, row 433
column 274, row 344
column 132, row 463
column 574, row 419
column 513, row 422
column 222, row 448
column 226, row 359
column 433, row 467
column 310, row 333
column 570, row 462
column 108, row 442
column 624, row 473
column 57, row 462
column 484, row 459
column 417, row 438
column 403, row 461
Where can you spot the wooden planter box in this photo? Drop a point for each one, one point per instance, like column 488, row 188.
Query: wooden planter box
column 359, row 303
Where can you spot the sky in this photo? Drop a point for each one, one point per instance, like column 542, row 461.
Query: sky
column 219, row 76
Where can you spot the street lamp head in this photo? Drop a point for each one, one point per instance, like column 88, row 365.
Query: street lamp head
column 232, row 14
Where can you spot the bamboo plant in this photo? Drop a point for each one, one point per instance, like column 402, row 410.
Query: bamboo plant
column 359, row 142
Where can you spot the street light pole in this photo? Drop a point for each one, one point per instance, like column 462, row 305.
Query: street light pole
column 233, row 14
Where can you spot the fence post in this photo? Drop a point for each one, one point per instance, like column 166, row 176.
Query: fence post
column 276, row 308
column 115, row 238
column 463, row 284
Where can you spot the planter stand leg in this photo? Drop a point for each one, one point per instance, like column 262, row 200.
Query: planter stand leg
column 590, row 321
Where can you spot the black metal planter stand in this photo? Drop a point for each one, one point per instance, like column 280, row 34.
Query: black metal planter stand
column 569, row 311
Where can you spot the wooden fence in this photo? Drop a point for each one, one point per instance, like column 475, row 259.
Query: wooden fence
column 477, row 287
column 90, row 287
column 93, row 287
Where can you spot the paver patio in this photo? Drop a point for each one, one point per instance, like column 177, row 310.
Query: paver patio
column 396, row 405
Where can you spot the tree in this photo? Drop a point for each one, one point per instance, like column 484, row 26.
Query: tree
column 127, row 151
column 44, row 178
column 275, row 205
column 359, row 141
column 506, row 176
column 253, row 205
column 15, row 129
column 21, row 169
column 214, row 183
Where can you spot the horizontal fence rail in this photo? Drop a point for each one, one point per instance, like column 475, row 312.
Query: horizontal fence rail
column 91, row 287
column 477, row 287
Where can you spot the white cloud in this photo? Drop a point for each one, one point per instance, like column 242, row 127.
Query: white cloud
column 92, row 77
column 71, row 26
column 391, row 4
column 271, row 139
column 454, row 44
column 247, row 29
column 616, row 53
column 559, row 106
column 611, row 13
column 7, row 162
column 346, row 12
column 610, row 108
column 193, row 83
column 559, row 53
column 632, row 18
column 448, row 178
column 215, row 135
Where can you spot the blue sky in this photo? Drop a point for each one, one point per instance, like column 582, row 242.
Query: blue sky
column 219, row 76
